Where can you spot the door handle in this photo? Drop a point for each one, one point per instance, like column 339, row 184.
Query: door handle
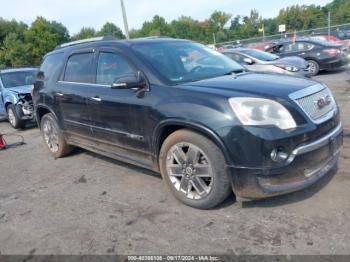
column 96, row 99
column 59, row 94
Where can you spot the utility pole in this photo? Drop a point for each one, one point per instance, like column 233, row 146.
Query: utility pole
column 329, row 24
column 126, row 27
column 214, row 38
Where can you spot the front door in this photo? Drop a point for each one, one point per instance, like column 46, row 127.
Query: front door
column 118, row 114
column 72, row 92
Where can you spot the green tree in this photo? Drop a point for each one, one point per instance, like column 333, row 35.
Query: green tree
column 85, row 32
column 42, row 37
column 187, row 28
column 110, row 29
column 14, row 52
column 158, row 26
column 7, row 27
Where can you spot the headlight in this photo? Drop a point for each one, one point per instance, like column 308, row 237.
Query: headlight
column 289, row 68
column 260, row 112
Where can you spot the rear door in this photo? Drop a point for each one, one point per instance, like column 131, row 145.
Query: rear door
column 73, row 90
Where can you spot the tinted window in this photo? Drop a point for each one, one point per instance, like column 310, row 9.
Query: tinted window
column 110, row 66
column 51, row 64
column 22, row 78
column 299, row 46
column 181, row 61
column 79, row 68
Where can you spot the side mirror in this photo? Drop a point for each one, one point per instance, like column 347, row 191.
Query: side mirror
column 248, row 61
column 129, row 81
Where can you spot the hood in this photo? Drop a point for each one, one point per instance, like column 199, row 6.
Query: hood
column 21, row 89
column 291, row 61
column 272, row 85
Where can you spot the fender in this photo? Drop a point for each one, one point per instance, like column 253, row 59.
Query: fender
column 191, row 125
column 37, row 107
column 9, row 97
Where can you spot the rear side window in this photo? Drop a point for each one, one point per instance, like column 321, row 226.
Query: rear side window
column 111, row 66
column 79, row 68
column 51, row 64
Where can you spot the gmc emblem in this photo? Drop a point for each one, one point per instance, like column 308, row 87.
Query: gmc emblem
column 323, row 101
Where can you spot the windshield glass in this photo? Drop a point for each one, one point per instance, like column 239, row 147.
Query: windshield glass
column 263, row 56
column 180, row 62
column 22, row 78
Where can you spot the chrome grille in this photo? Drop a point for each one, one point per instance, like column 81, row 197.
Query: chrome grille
column 310, row 104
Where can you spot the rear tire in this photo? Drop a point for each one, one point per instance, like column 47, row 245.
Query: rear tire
column 53, row 136
column 194, row 169
column 14, row 119
column 314, row 67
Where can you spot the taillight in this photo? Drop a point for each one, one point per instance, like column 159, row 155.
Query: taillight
column 332, row 51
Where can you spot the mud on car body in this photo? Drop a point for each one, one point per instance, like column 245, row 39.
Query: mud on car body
column 190, row 113
column 16, row 102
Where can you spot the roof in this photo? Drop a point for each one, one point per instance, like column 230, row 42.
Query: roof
column 91, row 42
column 19, row 69
column 306, row 39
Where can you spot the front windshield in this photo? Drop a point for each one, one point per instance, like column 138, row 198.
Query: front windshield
column 260, row 55
column 180, row 62
column 15, row 79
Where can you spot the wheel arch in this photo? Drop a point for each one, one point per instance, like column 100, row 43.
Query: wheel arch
column 166, row 128
column 40, row 111
column 7, row 104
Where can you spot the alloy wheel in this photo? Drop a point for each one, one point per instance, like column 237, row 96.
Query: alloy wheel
column 50, row 136
column 312, row 67
column 189, row 170
column 11, row 117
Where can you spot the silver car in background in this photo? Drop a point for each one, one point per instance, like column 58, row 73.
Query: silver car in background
column 259, row 61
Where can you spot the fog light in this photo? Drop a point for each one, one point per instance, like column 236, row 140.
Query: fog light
column 278, row 155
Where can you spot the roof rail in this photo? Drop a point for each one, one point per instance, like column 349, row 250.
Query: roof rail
column 87, row 40
column 154, row 37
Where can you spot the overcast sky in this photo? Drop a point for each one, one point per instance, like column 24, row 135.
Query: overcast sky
column 75, row 14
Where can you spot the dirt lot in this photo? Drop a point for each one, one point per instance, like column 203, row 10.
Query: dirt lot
column 89, row 204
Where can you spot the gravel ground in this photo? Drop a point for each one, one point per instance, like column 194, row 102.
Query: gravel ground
column 88, row 204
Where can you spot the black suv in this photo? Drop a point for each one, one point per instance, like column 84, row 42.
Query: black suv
column 190, row 113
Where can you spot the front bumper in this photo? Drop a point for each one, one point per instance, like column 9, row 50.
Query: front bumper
column 25, row 111
column 307, row 164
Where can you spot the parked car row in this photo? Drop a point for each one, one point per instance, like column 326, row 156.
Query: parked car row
column 319, row 55
column 259, row 61
column 202, row 120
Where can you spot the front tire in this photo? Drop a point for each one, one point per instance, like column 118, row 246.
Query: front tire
column 14, row 118
column 53, row 136
column 194, row 169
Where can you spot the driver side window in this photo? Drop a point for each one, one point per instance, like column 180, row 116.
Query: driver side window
column 110, row 66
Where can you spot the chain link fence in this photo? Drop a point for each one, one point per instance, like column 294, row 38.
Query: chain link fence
column 341, row 30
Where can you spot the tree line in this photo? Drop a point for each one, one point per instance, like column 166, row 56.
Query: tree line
column 22, row 45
